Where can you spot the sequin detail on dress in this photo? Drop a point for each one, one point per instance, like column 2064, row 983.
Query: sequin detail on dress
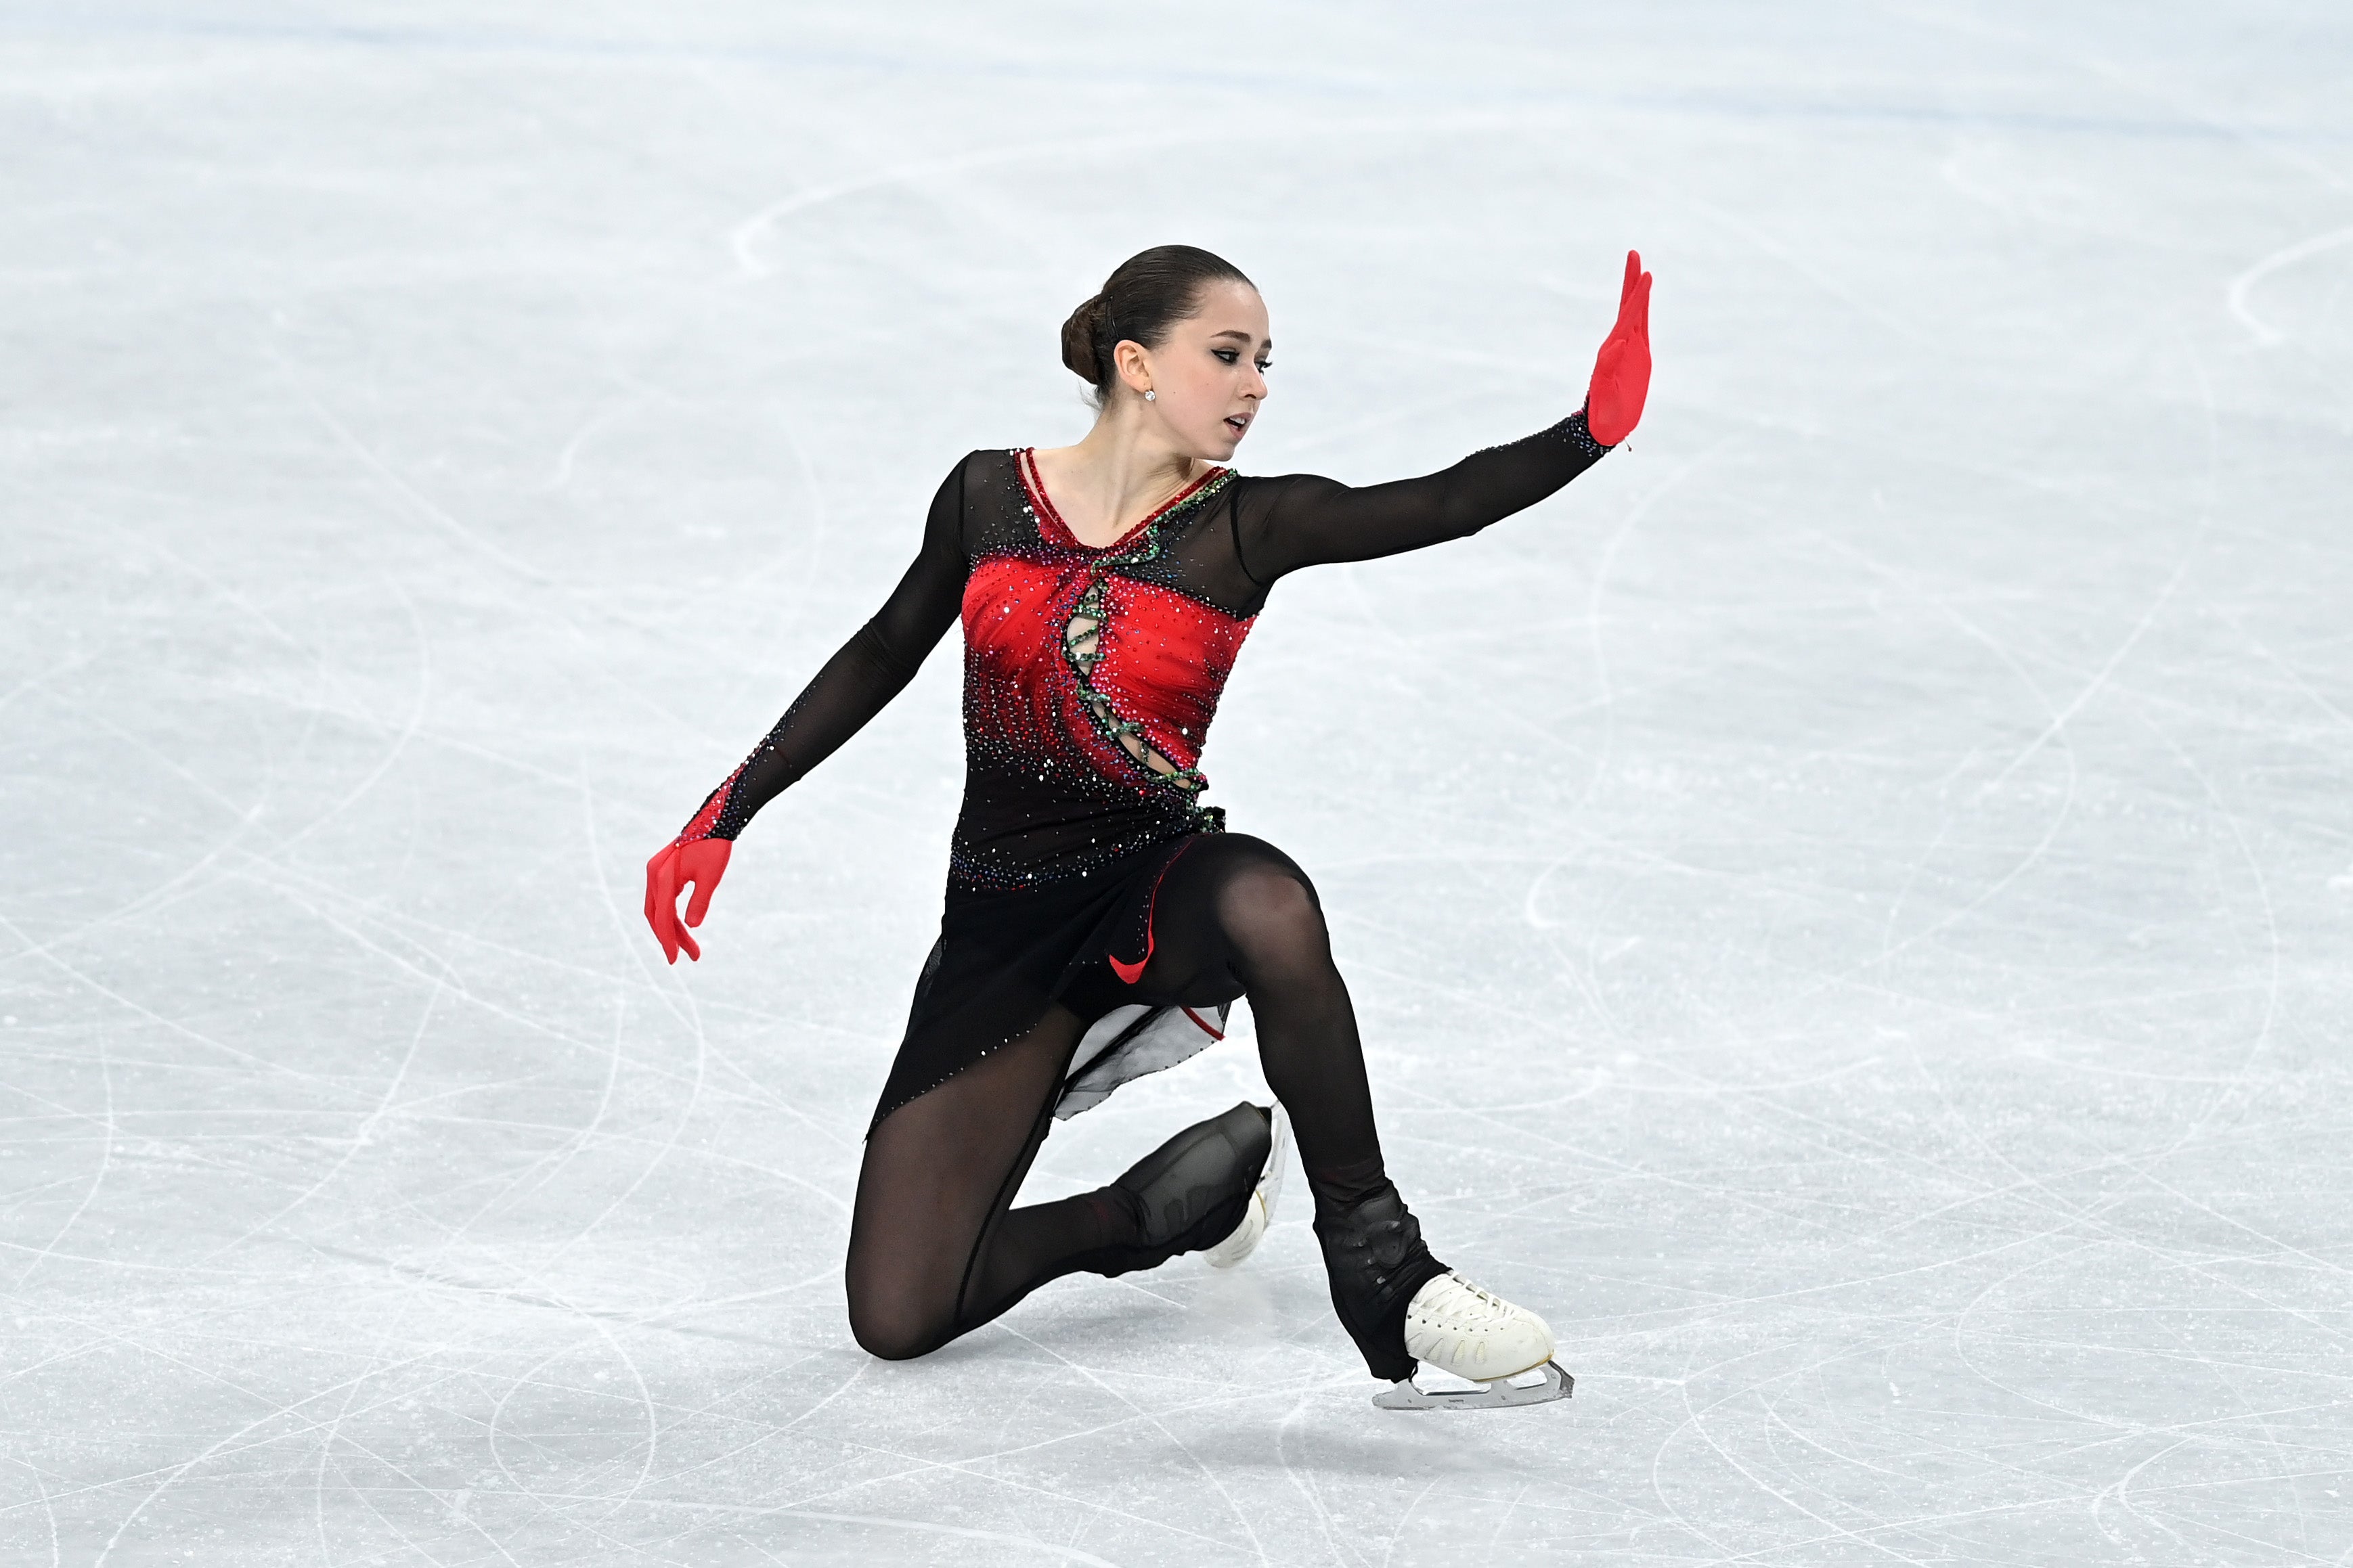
column 1084, row 634
column 1089, row 688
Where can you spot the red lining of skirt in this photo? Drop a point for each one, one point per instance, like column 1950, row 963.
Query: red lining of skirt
column 1129, row 973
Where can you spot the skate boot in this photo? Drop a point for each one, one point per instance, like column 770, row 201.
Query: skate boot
column 1402, row 1306
column 1461, row 1329
column 1193, row 1192
column 1260, row 1213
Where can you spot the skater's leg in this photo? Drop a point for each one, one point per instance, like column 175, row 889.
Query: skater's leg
column 1234, row 916
column 1187, row 1196
column 939, row 1175
column 934, row 1248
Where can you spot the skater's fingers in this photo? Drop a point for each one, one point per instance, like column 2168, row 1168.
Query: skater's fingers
column 662, row 909
column 706, row 882
column 661, row 864
column 686, row 945
column 1642, row 309
column 661, row 932
column 1626, row 290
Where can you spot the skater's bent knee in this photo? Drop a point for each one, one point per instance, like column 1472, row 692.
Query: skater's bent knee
column 893, row 1345
column 892, row 1327
column 1270, row 910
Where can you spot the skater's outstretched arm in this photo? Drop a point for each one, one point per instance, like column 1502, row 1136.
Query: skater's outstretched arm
column 1304, row 519
column 857, row 683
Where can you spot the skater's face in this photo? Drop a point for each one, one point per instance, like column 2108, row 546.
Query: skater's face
column 1208, row 377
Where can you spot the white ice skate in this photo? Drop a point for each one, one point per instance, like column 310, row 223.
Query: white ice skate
column 1505, row 1351
column 1261, row 1214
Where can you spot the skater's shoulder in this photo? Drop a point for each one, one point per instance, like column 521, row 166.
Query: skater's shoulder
column 986, row 463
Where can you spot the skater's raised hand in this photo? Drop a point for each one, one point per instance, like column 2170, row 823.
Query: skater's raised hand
column 1621, row 372
column 700, row 861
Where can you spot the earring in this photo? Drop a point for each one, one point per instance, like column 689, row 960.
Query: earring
column 1147, row 394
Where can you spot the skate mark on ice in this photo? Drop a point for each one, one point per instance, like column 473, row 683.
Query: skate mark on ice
column 2237, row 295
column 525, row 1379
column 97, row 1178
column 228, row 1447
column 609, row 413
column 674, row 994
column 1304, row 1483
column 966, row 1468
column 417, row 1274
column 1207, row 1472
column 360, row 1139
column 1404, row 1518
column 2241, row 1077
column 99, row 988
column 2060, row 720
column 963, row 1532
column 1832, row 1530
column 1606, row 697
column 2001, row 651
column 2149, row 615
column 744, row 240
column 446, row 978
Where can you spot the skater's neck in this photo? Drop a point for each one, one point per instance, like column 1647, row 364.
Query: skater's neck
column 1122, row 473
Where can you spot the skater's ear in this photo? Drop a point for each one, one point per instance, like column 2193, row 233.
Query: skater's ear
column 1132, row 362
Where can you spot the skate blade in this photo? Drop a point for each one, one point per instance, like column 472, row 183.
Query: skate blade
column 1538, row 1386
column 1229, row 1252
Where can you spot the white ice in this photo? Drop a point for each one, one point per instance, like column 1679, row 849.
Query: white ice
column 1849, row 904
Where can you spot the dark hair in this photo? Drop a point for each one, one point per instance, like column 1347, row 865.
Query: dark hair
column 1145, row 296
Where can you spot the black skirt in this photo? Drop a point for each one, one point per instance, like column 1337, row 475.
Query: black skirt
column 1003, row 958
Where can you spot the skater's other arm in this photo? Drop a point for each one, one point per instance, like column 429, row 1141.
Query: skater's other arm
column 1304, row 519
column 857, row 682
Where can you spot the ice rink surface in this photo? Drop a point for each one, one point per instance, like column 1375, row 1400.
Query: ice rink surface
column 1849, row 903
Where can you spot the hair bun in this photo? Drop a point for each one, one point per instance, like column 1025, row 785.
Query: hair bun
column 1079, row 340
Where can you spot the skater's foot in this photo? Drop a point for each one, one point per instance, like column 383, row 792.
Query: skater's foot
column 1504, row 1351
column 1456, row 1327
column 1190, row 1194
column 1246, row 1236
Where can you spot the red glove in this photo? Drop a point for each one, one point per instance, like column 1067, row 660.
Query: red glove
column 1621, row 372
column 701, row 862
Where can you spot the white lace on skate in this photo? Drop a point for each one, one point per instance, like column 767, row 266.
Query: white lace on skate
column 1260, row 1213
column 1458, row 1328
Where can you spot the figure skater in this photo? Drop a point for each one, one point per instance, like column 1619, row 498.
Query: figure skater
column 1093, row 903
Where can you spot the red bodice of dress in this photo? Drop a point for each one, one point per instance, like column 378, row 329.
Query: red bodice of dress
column 1088, row 689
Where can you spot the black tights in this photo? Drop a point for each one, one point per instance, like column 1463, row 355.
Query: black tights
column 936, row 1247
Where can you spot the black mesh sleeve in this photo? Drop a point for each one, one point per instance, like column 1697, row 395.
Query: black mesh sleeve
column 857, row 682
column 1304, row 519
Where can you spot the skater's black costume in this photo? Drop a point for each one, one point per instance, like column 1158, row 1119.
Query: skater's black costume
column 1085, row 875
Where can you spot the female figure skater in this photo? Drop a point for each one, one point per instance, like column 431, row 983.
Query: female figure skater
column 1105, row 590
